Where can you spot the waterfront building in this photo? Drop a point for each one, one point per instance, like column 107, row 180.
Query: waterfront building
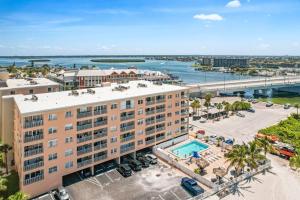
column 206, row 61
column 88, row 78
column 56, row 134
column 230, row 62
column 10, row 87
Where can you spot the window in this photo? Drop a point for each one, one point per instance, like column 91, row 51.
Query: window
column 52, row 143
column 52, row 169
column 68, row 152
column 177, row 113
column 31, row 91
column 169, row 115
column 113, row 118
column 140, row 132
column 169, row 124
column 140, row 121
column 113, row 151
column 113, row 128
column 177, row 95
column 52, row 130
column 170, row 105
column 12, row 92
column 113, row 139
column 140, row 101
column 68, row 139
column 52, row 117
column 128, row 104
column 169, row 133
column 140, row 111
column 140, row 142
column 176, row 104
column 169, row 96
column 114, row 106
column 49, row 89
column 177, row 122
column 68, row 114
column 68, row 127
column 69, row 164
column 52, row 156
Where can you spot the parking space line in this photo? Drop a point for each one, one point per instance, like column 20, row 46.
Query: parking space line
column 177, row 197
column 51, row 196
column 161, row 197
column 109, row 177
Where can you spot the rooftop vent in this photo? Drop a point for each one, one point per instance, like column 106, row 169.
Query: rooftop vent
column 157, row 83
column 33, row 98
column 32, row 82
column 142, row 85
column 120, row 88
column 74, row 93
column 91, row 91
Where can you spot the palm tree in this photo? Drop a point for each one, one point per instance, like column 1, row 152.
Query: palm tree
column 297, row 106
column 295, row 161
column 18, row 196
column 254, row 154
column 219, row 107
column 227, row 108
column 237, row 158
column 264, row 144
column 5, row 148
column 3, row 185
column 195, row 105
column 207, row 102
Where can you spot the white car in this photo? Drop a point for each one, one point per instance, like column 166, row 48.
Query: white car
column 62, row 194
column 152, row 158
column 202, row 120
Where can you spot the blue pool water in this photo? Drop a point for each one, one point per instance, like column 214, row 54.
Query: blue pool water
column 186, row 150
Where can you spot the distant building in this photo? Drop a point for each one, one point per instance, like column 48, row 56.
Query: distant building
column 230, row 62
column 206, row 61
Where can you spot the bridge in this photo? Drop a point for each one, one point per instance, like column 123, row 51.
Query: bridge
column 290, row 83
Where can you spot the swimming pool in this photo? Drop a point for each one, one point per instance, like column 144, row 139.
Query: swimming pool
column 186, row 150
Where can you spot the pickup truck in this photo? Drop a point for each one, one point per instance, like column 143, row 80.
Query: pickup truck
column 191, row 186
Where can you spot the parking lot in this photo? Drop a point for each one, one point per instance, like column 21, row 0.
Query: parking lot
column 158, row 182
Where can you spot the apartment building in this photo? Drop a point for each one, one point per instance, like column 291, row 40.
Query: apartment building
column 60, row 133
column 11, row 87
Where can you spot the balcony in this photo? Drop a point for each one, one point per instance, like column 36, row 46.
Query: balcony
column 128, row 138
column 160, row 110
column 33, row 166
column 184, row 113
column 150, row 103
column 126, row 149
column 100, row 134
column 100, row 146
column 129, row 107
column 183, row 122
column 160, row 138
column 35, row 123
column 33, row 152
column 84, row 151
column 150, row 112
column 84, row 114
column 100, row 112
column 84, row 163
column 98, row 158
column 160, row 129
column 184, row 104
column 123, row 118
column 84, row 139
column 34, row 179
column 83, row 127
column 100, row 123
column 33, row 138
column 150, row 141
column 160, row 100
column 161, row 119
column 127, row 128
column 184, row 96
column 150, row 131
column 149, row 122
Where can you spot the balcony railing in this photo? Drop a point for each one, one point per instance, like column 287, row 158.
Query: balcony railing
column 128, row 138
column 160, row 100
column 34, row 123
column 100, row 123
column 33, row 152
column 149, row 122
column 101, row 146
column 34, row 179
column 100, row 112
column 160, row 129
column 123, row 150
column 160, row 138
column 84, row 139
column 160, row 110
column 84, row 163
column 148, row 132
column 184, row 105
column 127, row 128
column 184, row 113
column 84, row 114
column 150, row 112
column 184, row 122
column 150, row 103
column 102, row 157
column 84, row 151
column 184, row 96
column 161, row 119
column 123, row 118
column 150, row 141
column 33, row 166
column 83, row 127
column 33, row 138
column 100, row 135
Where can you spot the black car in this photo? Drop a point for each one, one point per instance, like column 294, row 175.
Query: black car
column 145, row 162
column 125, row 170
column 191, row 186
column 135, row 164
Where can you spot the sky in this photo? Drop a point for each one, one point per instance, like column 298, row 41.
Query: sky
column 140, row 27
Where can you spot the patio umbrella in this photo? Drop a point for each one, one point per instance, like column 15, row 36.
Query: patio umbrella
column 202, row 163
column 196, row 154
column 220, row 171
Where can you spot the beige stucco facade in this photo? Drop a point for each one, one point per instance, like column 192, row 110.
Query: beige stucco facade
column 92, row 133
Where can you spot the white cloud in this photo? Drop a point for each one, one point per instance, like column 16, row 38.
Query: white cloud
column 209, row 17
column 234, row 4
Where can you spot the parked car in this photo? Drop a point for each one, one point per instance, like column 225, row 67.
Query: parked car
column 287, row 106
column 152, row 158
column 240, row 114
column 202, row 120
column 145, row 162
column 254, row 101
column 191, row 186
column 124, row 169
column 251, row 110
column 62, row 194
column 135, row 164
column 269, row 104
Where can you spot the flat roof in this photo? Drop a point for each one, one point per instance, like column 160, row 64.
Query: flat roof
column 23, row 83
column 58, row 100
column 103, row 72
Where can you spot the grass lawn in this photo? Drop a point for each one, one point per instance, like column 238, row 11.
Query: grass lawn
column 282, row 100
